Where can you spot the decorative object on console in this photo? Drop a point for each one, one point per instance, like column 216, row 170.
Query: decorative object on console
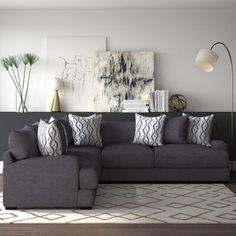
column 121, row 76
column 141, row 106
column 149, row 130
column 57, row 85
column 20, row 75
column 159, row 101
column 86, row 130
column 72, row 60
column 177, row 103
column 205, row 61
column 199, row 130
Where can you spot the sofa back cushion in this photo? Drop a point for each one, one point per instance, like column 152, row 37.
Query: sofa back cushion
column 113, row 132
column 175, row 130
column 65, row 121
column 23, row 143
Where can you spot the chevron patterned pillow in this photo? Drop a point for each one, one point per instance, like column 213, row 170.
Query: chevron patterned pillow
column 63, row 133
column 199, row 130
column 86, row 130
column 149, row 130
column 49, row 139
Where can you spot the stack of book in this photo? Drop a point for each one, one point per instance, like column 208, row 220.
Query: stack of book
column 141, row 106
column 159, row 101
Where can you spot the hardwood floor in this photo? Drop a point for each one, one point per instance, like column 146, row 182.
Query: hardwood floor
column 120, row 229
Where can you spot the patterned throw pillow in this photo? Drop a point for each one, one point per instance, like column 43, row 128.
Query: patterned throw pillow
column 149, row 130
column 63, row 133
column 199, row 130
column 49, row 139
column 86, row 130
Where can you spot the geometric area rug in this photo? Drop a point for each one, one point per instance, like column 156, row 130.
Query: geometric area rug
column 140, row 203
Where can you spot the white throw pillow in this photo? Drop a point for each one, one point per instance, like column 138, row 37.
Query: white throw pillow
column 86, row 130
column 49, row 139
column 149, row 130
column 199, row 130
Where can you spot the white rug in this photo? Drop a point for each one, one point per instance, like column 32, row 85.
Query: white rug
column 141, row 203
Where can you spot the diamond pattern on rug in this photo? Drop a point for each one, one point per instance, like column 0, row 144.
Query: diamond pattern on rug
column 141, row 203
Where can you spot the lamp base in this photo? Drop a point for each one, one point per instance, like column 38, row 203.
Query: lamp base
column 56, row 103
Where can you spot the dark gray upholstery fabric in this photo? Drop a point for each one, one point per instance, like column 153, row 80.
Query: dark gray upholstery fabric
column 165, row 175
column 220, row 145
column 23, row 143
column 117, row 132
column 89, row 158
column 34, row 126
column 190, row 156
column 127, row 155
column 175, row 130
column 89, row 176
column 41, row 182
column 215, row 132
column 8, row 158
column 66, row 123
column 71, row 180
column 91, row 150
column 86, row 198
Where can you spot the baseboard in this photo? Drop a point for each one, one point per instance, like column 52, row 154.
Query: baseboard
column 1, row 167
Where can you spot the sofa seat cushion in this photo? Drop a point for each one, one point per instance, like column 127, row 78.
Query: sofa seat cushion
column 90, row 150
column 190, row 156
column 89, row 165
column 127, row 155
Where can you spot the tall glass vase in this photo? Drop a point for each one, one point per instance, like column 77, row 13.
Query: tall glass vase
column 21, row 103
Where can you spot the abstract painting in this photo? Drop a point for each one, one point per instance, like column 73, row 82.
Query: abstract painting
column 120, row 76
column 72, row 60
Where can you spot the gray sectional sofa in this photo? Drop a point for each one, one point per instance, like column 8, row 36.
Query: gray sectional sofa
column 71, row 180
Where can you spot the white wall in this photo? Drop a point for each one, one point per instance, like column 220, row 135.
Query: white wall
column 175, row 36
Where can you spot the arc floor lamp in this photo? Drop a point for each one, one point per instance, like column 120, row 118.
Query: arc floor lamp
column 205, row 61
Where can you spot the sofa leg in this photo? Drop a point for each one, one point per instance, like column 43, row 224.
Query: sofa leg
column 85, row 208
column 11, row 208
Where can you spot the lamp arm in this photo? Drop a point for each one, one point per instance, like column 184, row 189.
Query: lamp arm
column 232, row 97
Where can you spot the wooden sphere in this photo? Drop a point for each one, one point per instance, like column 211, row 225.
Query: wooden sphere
column 177, row 103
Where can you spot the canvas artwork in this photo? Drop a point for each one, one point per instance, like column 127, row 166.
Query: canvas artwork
column 122, row 75
column 72, row 60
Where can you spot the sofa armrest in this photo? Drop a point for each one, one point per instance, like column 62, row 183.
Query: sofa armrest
column 41, row 182
column 219, row 145
column 8, row 158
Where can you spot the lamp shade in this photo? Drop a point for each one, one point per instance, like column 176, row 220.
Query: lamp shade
column 206, row 59
column 57, row 84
